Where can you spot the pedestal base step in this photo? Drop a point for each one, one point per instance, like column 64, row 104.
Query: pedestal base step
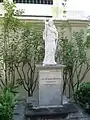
column 50, row 112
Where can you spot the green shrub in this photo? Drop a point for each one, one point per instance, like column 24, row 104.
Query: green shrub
column 7, row 103
column 82, row 95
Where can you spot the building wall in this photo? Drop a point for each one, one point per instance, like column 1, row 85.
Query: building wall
column 46, row 11
column 69, row 27
column 74, row 22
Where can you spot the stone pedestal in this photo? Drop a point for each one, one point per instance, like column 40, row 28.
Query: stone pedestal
column 50, row 84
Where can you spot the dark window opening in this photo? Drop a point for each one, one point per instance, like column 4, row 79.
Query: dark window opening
column 34, row 1
column 1, row 1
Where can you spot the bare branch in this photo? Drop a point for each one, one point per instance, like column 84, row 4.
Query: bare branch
column 85, row 73
column 13, row 75
column 34, row 84
column 24, row 73
column 76, row 67
column 80, row 80
column 18, row 71
column 2, row 82
column 1, row 86
column 28, row 74
column 25, row 86
column 29, row 65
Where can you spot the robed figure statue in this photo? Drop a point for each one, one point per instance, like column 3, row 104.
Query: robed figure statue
column 50, row 36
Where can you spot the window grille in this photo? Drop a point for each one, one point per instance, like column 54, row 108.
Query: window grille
column 34, row 1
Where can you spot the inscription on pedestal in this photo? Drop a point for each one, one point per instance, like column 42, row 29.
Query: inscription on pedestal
column 50, row 84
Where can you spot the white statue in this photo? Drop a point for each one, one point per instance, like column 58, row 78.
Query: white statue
column 50, row 35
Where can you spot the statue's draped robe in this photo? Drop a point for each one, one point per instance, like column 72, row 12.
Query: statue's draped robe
column 50, row 35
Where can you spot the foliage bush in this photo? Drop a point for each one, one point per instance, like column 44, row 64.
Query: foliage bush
column 82, row 95
column 21, row 48
column 73, row 53
column 7, row 103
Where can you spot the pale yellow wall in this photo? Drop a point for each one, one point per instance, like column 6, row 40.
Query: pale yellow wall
column 69, row 27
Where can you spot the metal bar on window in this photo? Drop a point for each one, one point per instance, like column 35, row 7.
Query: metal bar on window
column 40, row 1
column 27, row 1
column 43, row 1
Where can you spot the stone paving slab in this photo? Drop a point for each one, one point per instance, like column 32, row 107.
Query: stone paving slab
column 50, row 112
column 20, row 109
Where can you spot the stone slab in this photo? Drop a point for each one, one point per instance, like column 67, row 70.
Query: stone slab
column 69, row 111
column 57, row 66
column 61, row 112
column 33, row 101
column 19, row 111
column 50, row 86
column 20, row 114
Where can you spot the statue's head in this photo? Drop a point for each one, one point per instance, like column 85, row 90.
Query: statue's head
column 50, row 22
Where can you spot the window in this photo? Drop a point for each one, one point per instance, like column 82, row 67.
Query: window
column 1, row 1
column 35, row 1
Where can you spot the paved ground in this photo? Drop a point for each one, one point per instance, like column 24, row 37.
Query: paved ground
column 19, row 114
